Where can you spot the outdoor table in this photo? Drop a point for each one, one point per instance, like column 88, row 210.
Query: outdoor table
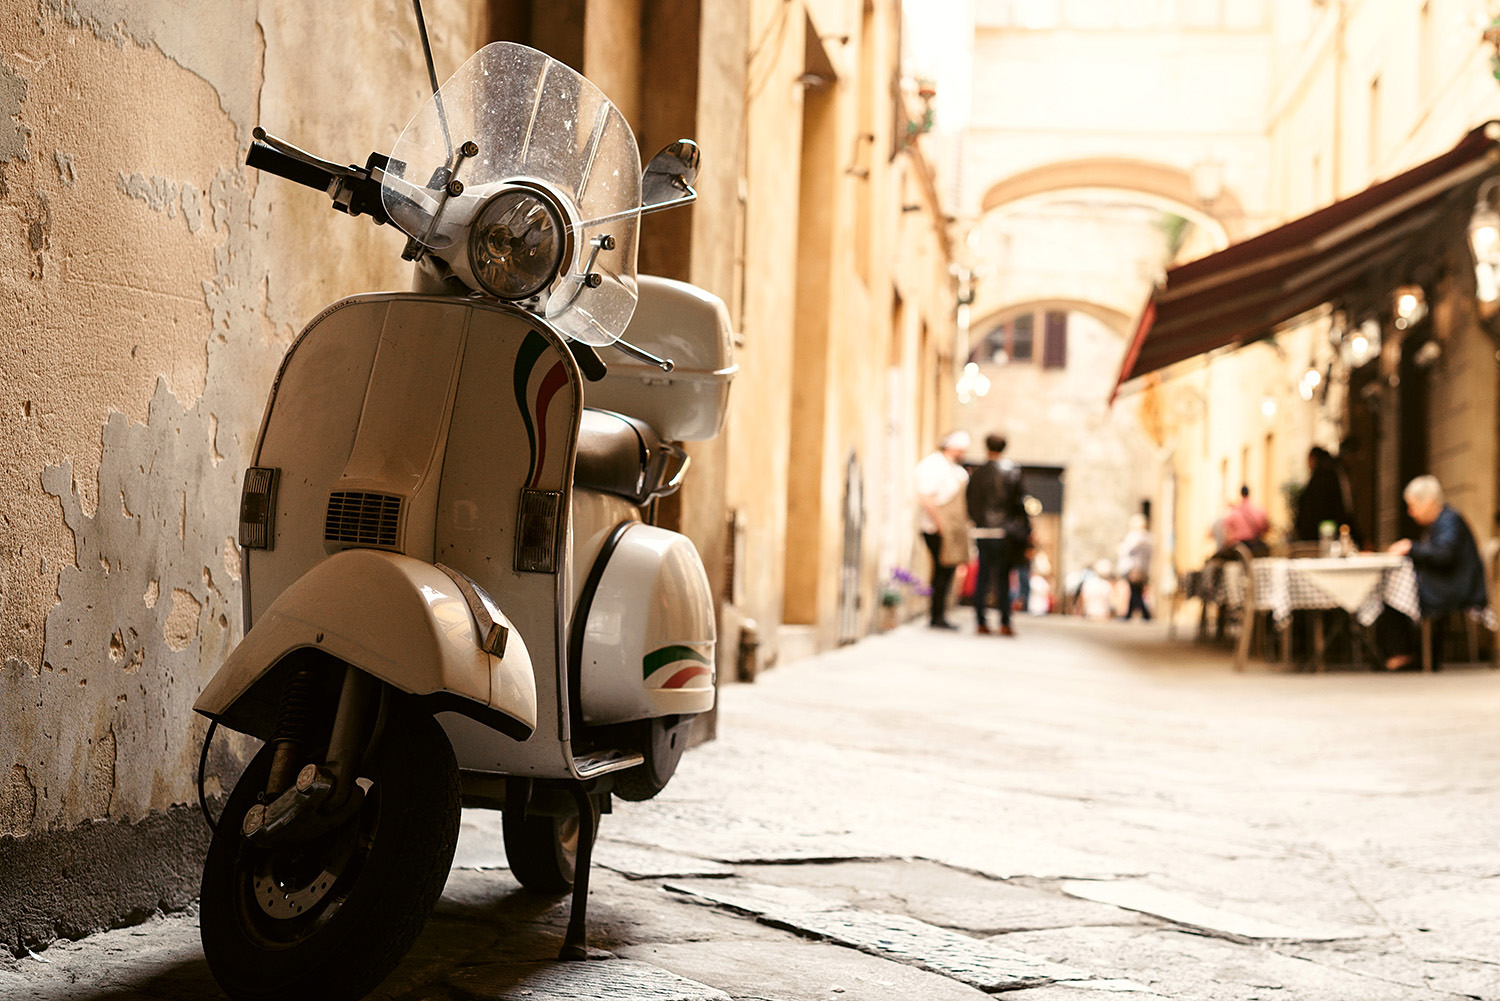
column 1361, row 585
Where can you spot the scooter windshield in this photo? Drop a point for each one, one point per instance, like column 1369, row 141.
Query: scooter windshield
column 531, row 119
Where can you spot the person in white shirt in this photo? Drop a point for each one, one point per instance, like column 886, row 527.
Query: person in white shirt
column 940, row 486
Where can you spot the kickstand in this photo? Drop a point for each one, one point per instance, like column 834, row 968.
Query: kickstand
column 576, row 942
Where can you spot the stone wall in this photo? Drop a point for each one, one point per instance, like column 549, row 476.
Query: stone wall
column 156, row 283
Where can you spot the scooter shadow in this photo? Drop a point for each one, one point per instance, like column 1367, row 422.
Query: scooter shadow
column 483, row 920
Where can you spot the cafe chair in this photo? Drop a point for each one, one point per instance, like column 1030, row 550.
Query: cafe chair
column 1252, row 621
column 1471, row 628
column 1185, row 587
column 1471, row 617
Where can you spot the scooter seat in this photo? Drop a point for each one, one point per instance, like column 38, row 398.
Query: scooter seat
column 623, row 456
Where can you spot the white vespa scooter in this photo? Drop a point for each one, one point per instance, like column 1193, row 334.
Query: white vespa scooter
column 453, row 591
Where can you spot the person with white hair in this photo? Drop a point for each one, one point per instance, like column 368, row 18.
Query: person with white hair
column 943, row 519
column 1450, row 573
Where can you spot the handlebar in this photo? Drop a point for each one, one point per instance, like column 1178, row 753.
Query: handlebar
column 263, row 157
column 354, row 190
column 589, row 362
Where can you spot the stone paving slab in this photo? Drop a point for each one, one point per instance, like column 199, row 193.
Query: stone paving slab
column 1139, row 896
column 592, row 980
column 1108, row 986
column 958, row 899
column 799, row 969
column 1084, row 990
column 896, row 937
column 635, row 861
column 1185, row 965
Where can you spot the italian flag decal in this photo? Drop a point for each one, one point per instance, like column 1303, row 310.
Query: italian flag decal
column 538, row 379
column 677, row 667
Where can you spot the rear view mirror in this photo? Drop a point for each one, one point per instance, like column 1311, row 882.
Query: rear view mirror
column 668, row 180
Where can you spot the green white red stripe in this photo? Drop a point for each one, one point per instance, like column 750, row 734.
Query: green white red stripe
column 677, row 667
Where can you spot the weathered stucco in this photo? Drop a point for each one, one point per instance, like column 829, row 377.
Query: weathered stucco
column 159, row 281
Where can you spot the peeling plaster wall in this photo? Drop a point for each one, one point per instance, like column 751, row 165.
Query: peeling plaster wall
column 155, row 283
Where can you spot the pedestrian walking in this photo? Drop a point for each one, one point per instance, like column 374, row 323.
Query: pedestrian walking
column 1133, row 564
column 1002, row 530
column 944, row 523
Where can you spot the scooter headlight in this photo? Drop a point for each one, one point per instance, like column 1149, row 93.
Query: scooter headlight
column 516, row 244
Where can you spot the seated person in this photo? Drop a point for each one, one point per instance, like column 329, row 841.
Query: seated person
column 1246, row 523
column 1450, row 574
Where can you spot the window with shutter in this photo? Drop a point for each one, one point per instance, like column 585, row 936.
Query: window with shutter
column 1022, row 337
column 1055, row 341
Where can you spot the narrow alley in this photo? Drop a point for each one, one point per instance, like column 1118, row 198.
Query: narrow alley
column 1090, row 807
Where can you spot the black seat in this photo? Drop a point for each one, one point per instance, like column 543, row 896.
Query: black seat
column 617, row 454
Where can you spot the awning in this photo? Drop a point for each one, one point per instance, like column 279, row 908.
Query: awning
column 1245, row 292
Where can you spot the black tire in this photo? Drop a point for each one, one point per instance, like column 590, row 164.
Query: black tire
column 662, row 742
column 542, row 849
column 387, row 864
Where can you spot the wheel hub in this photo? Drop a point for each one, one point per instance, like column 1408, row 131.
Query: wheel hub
column 285, row 890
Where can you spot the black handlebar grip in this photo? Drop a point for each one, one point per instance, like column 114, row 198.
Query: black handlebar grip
column 589, row 362
column 264, row 157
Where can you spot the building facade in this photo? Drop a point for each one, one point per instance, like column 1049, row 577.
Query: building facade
column 1095, row 166
column 1398, row 369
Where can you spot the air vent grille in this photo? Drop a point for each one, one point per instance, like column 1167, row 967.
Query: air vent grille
column 356, row 518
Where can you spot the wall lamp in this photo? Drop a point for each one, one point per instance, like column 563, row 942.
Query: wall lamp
column 1484, row 241
column 1411, row 306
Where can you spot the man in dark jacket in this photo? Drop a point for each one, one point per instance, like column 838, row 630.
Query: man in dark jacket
column 1450, row 573
column 1002, row 531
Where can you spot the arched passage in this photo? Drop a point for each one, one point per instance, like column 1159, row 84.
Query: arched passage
column 1158, row 182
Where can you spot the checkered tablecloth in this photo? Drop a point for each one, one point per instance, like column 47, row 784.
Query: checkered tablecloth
column 1362, row 585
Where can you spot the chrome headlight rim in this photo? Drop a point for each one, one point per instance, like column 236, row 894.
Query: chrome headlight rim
column 560, row 250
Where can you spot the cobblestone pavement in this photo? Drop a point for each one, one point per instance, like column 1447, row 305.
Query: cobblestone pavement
column 1085, row 810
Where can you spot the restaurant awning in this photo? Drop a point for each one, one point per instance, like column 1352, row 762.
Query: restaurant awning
column 1246, row 291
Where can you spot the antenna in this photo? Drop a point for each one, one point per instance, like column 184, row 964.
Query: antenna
column 432, row 76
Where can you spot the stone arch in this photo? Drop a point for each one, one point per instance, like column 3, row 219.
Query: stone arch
column 1156, row 181
column 1117, row 321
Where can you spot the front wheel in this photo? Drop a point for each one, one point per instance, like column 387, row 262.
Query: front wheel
column 330, row 917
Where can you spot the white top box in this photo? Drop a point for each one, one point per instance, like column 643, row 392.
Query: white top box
column 689, row 327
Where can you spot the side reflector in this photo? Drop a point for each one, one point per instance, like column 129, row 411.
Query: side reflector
column 536, row 531
column 258, row 508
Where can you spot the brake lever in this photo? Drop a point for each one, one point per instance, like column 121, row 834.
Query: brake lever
column 665, row 364
column 287, row 149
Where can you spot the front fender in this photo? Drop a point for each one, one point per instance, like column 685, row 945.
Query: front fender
column 392, row 616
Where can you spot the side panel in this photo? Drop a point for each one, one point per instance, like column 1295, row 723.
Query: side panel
column 648, row 645
column 595, row 516
column 514, row 428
